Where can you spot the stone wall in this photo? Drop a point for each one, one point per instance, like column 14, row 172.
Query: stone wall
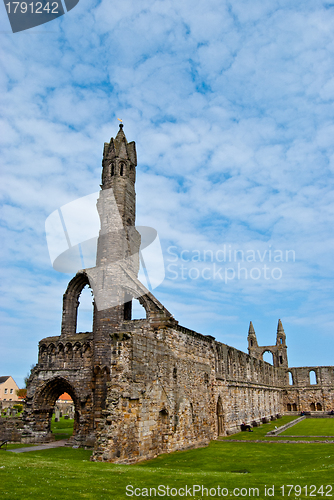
column 11, row 429
column 302, row 395
column 171, row 386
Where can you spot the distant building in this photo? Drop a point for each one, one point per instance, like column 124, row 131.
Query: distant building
column 65, row 405
column 8, row 388
column 64, row 398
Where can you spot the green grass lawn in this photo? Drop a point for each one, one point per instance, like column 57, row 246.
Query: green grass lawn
column 63, row 429
column 312, row 427
column 68, row 474
column 260, row 432
column 65, row 473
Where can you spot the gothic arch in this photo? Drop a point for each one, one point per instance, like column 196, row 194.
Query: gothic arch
column 272, row 361
column 45, row 399
column 71, row 303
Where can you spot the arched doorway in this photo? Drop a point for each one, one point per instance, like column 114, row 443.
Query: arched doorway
column 45, row 401
column 220, row 417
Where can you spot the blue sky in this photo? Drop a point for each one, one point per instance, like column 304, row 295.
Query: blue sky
column 231, row 107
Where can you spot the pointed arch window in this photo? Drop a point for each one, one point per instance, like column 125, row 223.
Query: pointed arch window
column 313, row 377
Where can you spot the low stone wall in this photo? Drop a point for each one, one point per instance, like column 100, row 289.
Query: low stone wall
column 286, row 426
column 11, row 429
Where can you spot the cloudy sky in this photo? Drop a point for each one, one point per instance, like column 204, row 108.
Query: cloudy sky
column 231, row 105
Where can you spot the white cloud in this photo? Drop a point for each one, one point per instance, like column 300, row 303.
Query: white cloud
column 231, row 109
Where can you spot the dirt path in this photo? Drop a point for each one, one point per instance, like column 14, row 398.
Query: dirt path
column 39, row 447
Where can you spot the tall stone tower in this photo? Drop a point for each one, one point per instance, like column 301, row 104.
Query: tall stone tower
column 79, row 363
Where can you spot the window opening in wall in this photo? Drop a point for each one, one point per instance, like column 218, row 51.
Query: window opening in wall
column 294, row 407
column 312, row 407
column 112, row 170
column 128, row 310
column 290, row 379
column 175, row 373
column 319, row 407
column 121, row 171
column 313, row 377
column 288, row 406
column 138, row 311
column 85, row 311
column 268, row 357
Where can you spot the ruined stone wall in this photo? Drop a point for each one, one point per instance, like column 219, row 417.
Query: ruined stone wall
column 63, row 366
column 165, row 387
column 301, row 395
column 11, row 429
column 250, row 389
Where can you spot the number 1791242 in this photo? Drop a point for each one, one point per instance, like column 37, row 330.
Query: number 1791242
column 32, row 7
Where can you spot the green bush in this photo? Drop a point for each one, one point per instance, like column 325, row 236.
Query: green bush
column 18, row 407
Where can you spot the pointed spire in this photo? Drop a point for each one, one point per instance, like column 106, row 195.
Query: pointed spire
column 251, row 329
column 120, row 148
column 252, row 340
column 280, row 337
column 280, row 328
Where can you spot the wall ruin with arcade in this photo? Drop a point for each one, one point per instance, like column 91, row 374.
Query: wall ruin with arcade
column 174, row 388
column 310, row 389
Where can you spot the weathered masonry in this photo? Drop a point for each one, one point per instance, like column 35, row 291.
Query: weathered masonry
column 143, row 387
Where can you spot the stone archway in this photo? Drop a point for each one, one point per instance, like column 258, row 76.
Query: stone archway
column 39, row 412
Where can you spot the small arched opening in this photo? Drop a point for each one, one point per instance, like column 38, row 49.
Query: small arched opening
column 288, row 407
column 313, row 377
column 319, row 407
column 290, row 378
column 312, row 406
column 85, row 310
column 268, row 357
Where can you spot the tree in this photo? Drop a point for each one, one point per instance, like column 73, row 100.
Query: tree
column 21, row 393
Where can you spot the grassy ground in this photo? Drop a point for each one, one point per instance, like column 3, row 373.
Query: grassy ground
column 62, row 429
column 260, row 432
column 312, row 427
column 65, row 473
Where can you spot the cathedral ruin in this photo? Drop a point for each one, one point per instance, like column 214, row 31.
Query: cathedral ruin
column 142, row 387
